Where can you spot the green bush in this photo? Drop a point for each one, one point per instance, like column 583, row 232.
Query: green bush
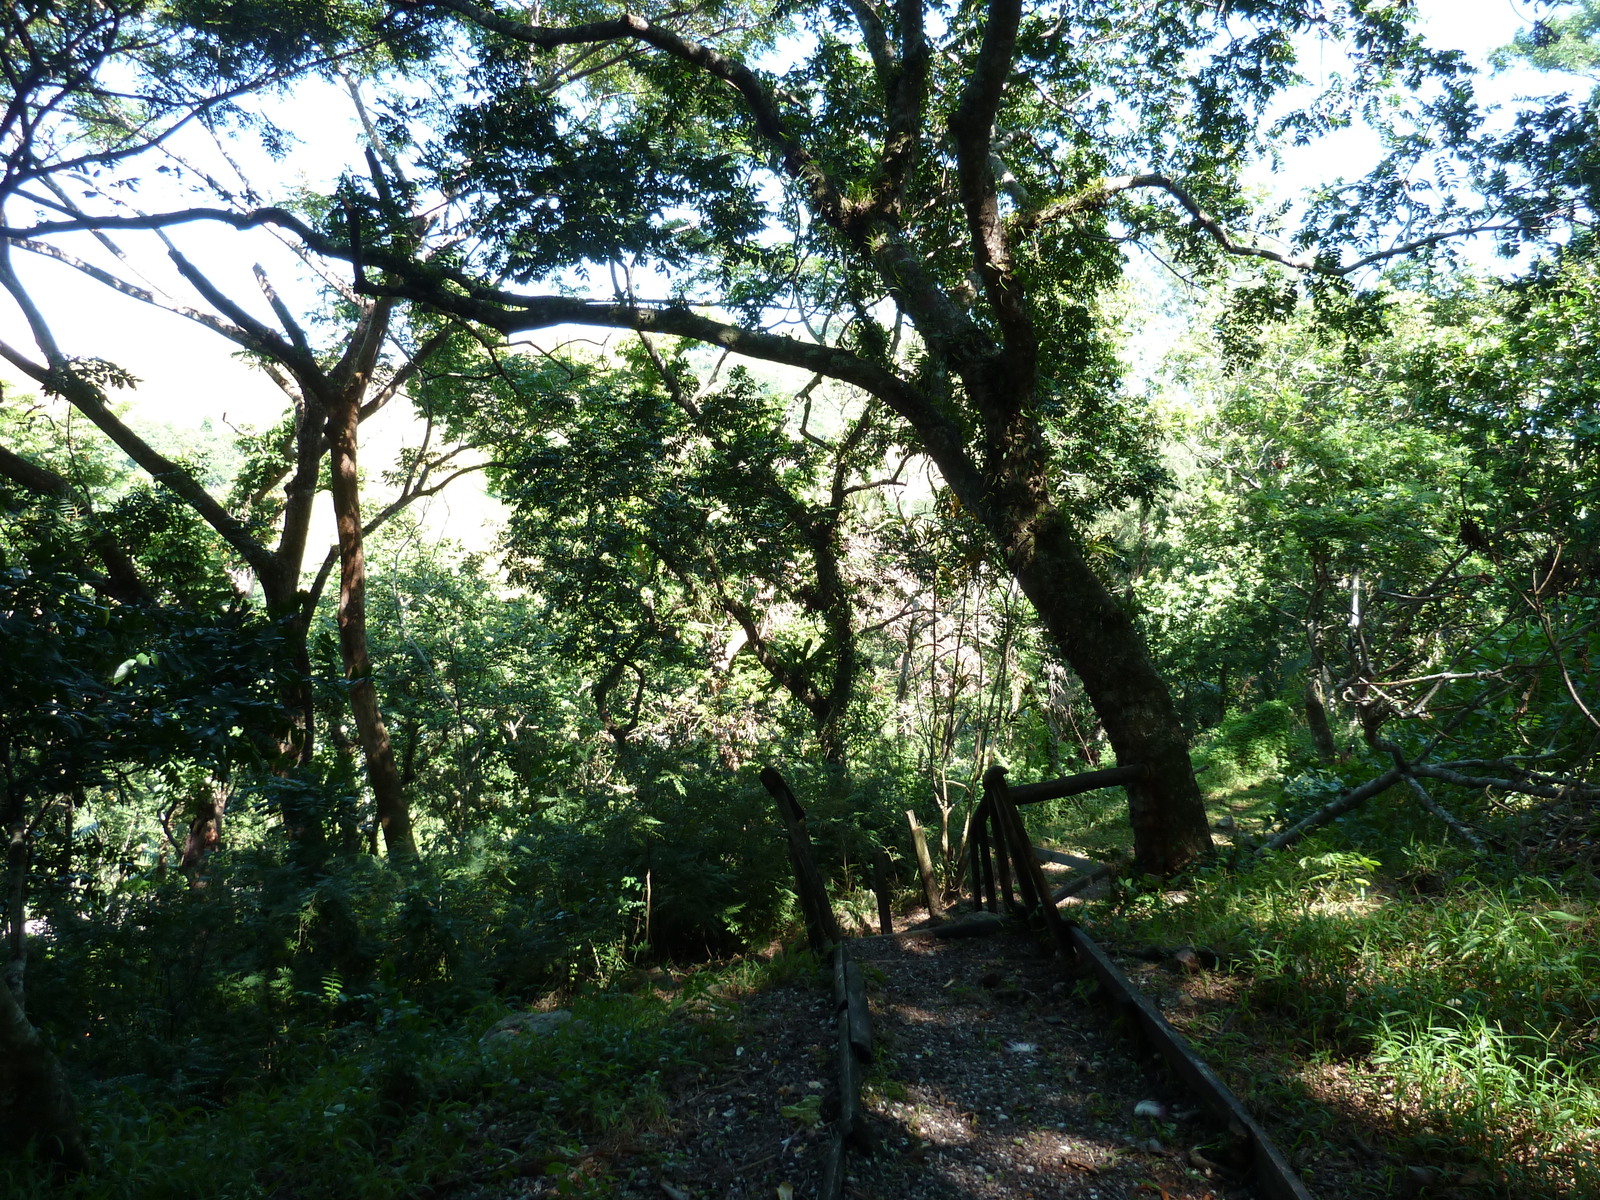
column 1247, row 745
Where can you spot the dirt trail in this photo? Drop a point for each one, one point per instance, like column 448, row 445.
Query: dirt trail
column 995, row 1077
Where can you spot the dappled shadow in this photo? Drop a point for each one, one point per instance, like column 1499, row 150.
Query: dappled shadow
column 996, row 1078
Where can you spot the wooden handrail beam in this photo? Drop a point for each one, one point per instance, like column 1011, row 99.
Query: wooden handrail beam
column 1076, row 785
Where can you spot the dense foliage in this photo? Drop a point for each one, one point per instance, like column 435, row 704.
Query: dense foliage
column 874, row 477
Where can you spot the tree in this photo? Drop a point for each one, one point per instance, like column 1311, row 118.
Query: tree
column 64, row 128
column 1400, row 527
column 643, row 496
column 959, row 184
column 968, row 175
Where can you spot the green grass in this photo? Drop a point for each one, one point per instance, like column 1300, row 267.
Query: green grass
column 1454, row 1000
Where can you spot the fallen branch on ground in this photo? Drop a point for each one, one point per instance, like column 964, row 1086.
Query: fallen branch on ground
column 1527, row 787
column 1331, row 811
column 1456, row 824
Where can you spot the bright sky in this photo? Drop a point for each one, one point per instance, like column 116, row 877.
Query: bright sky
column 189, row 373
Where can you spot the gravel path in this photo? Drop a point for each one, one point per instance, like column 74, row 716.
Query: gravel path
column 995, row 1078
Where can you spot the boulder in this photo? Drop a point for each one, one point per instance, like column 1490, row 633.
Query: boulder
column 526, row 1025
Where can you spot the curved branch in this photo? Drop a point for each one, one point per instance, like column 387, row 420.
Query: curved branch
column 509, row 313
column 939, row 319
column 797, row 161
column 972, row 125
column 1101, row 193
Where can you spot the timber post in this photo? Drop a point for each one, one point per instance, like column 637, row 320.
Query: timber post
column 1030, row 877
column 852, row 1129
column 822, row 930
column 983, row 894
column 882, row 874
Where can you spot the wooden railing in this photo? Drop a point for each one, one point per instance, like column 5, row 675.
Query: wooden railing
column 1003, row 855
column 995, row 827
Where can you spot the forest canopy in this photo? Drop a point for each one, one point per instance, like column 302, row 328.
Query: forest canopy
column 878, row 391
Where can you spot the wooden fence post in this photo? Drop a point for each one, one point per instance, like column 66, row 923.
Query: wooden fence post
column 1029, row 875
column 882, row 873
column 852, row 1129
column 1002, row 861
column 978, row 848
column 822, row 930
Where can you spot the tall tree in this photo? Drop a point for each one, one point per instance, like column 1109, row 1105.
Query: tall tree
column 969, row 174
column 65, row 129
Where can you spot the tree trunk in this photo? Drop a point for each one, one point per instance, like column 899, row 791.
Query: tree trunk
column 831, row 737
column 35, row 1102
column 1317, row 720
column 205, row 832
column 16, row 931
column 394, row 818
column 1099, row 639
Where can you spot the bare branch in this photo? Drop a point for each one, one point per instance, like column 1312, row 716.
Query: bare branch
column 1101, row 193
column 1334, row 809
column 894, row 480
column 256, row 334
column 1526, row 787
column 118, row 284
column 1461, row 829
column 670, row 381
column 1441, row 677
column 297, row 335
column 375, row 523
column 407, row 371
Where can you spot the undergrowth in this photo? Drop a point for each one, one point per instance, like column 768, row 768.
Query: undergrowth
column 1458, row 997
column 405, row 1107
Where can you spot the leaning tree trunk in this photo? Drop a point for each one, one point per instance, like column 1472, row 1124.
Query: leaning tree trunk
column 394, row 817
column 35, row 1101
column 1098, row 638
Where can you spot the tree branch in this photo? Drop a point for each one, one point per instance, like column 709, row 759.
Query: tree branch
column 1334, row 809
column 797, row 161
column 1456, row 824
column 972, row 125
column 409, row 368
column 1102, row 192
column 88, row 399
column 1524, row 787
column 118, row 284
column 121, row 580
